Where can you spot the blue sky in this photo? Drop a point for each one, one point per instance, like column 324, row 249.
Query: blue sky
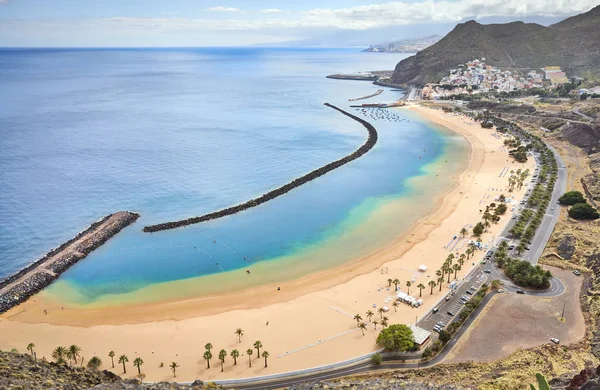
column 236, row 22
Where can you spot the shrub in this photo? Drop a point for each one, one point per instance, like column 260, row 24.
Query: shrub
column 397, row 337
column 571, row 198
column 376, row 359
column 527, row 275
column 445, row 336
column 478, row 229
column 583, row 211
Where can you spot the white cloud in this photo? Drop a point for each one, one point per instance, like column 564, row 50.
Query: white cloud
column 223, row 9
column 270, row 11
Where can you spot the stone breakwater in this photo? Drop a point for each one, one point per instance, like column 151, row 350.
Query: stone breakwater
column 364, row 148
column 17, row 288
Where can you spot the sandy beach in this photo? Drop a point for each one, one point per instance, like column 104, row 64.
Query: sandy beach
column 309, row 322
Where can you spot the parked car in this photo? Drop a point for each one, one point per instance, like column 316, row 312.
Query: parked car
column 487, row 271
column 577, row 272
column 450, row 313
column 500, row 290
column 448, row 298
column 511, row 247
column 520, row 292
column 435, row 310
column 469, row 292
column 555, row 340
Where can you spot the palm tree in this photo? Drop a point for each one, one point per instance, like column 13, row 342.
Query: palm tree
column 235, row 354
column 420, row 287
column 440, row 282
column 258, row 346
column 396, row 283
column 30, row 348
column 369, row 315
column 384, row 323
column 390, row 281
column 222, row 356
column 265, row 354
column 73, row 353
column 449, row 270
column 395, row 304
column 240, row 333
column 362, row 327
column 174, row 366
column 408, row 284
column 94, row 363
column 463, row 232
column 207, row 356
column 111, row 355
column 138, row 362
column 468, row 252
column 249, row 351
column 59, row 354
column 123, row 359
column 375, row 324
column 456, row 268
column 208, row 346
column 358, row 318
column 432, row 284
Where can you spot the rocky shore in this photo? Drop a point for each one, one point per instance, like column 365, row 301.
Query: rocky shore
column 364, row 148
column 17, row 288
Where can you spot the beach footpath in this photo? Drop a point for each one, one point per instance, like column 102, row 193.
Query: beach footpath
column 17, row 288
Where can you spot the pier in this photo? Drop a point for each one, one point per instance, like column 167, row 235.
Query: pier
column 379, row 91
column 364, row 148
column 17, row 288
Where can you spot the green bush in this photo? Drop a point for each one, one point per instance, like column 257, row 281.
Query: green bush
column 397, row 337
column 571, row 198
column 376, row 359
column 583, row 211
column 527, row 275
column 445, row 336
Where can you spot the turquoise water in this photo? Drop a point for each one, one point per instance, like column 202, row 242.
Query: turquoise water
column 173, row 133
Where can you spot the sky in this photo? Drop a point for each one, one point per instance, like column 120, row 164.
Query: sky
column 156, row 23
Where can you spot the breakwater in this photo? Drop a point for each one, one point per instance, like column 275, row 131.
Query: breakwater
column 364, row 148
column 17, row 288
column 379, row 91
column 358, row 77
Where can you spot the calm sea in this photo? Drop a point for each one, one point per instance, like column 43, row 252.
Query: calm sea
column 173, row 133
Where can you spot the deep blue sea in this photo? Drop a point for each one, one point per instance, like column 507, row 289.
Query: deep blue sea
column 174, row 133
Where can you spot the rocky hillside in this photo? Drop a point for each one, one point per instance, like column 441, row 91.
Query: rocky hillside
column 573, row 44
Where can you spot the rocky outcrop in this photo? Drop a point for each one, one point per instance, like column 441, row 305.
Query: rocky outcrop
column 364, row 148
column 566, row 246
column 585, row 136
column 17, row 288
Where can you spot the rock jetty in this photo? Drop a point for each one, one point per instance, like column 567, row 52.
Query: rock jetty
column 17, row 288
column 364, row 148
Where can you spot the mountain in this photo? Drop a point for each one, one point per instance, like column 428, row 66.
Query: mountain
column 404, row 45
column 573, row 44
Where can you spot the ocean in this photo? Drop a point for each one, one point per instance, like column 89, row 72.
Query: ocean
column 175, row 133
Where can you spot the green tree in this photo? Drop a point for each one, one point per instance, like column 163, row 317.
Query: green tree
column 376, row 359
column 249, row 352
column 265, row 354
column 390, row 281
column 395, row 304
column 478, row 229
column 369, row 315
column 362, row 327
column 463, row 232
column 111, row 355
column 258, row 345
column 208, row 346
column 384, row 322
column 30, row 348
column 138, row 363
column 583, row 211
column 59, row 354
column 420, row 286
column 73, row 353
column 432, row 284
column 408, row 284
column 381, row 311
column 375, row 324
column 94, row 363
column 358, row 318
column 239, row 333
column 174, row 366
column 445, row 336
column 123, row 359
column 396, row 283
column 456, row 268
column 571, row 198
column 235, row 354
column 222, row 356
column 207, row 356
column 397, row 337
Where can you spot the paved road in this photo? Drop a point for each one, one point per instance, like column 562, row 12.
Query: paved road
column 576, row 111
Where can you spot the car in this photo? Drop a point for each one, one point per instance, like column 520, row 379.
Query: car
column 500, row 290
column 437, row 328
column 450, row 313
column 484, row 262
column 511, row 247
column 551, row 208
column 487, row 271
column 441, row 324
column 468, row 292
column 555, row 340
column 520, row 292
column 435, row 310
column 577, row 272
column 448, row 298
column 527, row 247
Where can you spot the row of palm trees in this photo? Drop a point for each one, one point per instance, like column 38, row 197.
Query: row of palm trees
column 396, row 282
column 235, row 353
column 363, row 325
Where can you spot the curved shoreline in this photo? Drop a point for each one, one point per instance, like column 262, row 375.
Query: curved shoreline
column 364, row 148
column 18, row 287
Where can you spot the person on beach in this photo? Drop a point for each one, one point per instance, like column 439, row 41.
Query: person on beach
column 267, row 323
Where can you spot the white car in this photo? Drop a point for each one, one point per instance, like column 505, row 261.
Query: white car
column 555, row 340
column 500, row 290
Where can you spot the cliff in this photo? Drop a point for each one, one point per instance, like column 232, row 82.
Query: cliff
column 573, row 44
